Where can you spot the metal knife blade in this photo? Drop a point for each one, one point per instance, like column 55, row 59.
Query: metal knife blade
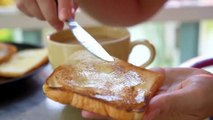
column 88, row 41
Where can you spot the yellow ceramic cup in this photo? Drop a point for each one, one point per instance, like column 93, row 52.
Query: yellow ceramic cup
column 116, row 42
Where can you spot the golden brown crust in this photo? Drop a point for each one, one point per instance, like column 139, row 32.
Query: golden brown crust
column 6, row 52
column 93, row 105
column 115, row 89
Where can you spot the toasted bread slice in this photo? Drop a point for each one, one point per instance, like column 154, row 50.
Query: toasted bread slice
column 24, row 62
column 6, row 52
column 115, row 89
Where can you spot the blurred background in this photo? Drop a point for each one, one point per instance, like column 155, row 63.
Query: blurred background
column 183, row 29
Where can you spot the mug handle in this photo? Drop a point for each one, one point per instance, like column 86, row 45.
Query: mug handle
column 149, row 46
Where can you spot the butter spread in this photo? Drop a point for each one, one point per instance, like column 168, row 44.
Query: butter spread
column 108, row 81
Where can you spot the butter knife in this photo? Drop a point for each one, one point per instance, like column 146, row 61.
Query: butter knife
column 88, row 41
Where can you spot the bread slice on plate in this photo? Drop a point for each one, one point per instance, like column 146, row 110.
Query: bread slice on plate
column 6, row 52
column 23, row 62
column 115, row 89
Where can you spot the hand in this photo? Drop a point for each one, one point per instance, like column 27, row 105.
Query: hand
column 48, row 10
column 185, row 95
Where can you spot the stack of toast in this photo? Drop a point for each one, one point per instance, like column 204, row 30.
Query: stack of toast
column 117, row 89
column 14, row 63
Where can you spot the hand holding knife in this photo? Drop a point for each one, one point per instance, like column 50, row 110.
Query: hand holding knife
column 87, row 41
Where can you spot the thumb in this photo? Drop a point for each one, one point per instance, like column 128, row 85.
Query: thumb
column 165, row 105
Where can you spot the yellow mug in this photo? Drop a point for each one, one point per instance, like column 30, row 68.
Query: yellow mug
column 116, row 42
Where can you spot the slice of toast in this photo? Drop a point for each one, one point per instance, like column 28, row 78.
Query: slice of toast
column 115, row 89
column 24, row 62
column 6, row 52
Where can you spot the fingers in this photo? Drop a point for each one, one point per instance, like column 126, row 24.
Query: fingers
column 43, row 10
column 49, row 10
column 30, row 8
column 34, row 9
column 167, row 106
column 186, row 99
column 21, row 6
column 66, row 9
column 90, row 115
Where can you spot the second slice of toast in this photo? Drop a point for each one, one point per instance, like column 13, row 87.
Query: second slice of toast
column 23, row 62
column 115, row 89
column 6, row 52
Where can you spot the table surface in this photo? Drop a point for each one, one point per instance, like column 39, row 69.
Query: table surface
column 24, row 100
